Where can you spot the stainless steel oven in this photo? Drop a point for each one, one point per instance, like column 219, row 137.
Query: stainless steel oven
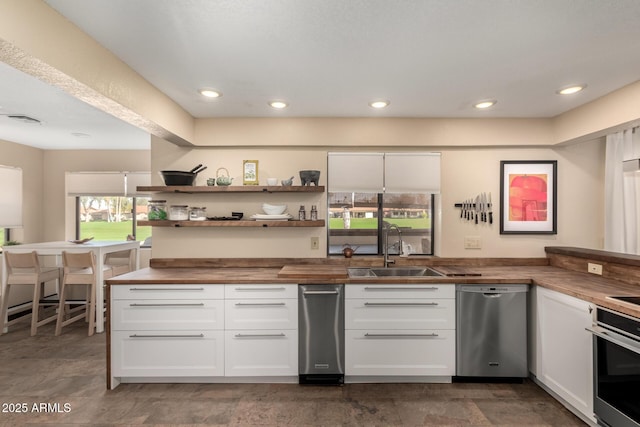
column 616, row 369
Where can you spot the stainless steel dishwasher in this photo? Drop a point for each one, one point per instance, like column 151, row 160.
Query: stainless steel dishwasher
column 491, row 331
column 321, row 334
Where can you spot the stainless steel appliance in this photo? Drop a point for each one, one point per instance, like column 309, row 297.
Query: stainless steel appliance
column 616, row 368
column 321, row 334
column 491, row 337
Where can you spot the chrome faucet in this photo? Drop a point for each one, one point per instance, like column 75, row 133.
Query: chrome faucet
column 387, row 260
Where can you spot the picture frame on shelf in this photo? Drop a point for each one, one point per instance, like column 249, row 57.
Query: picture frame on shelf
column 528, row 196
column 250, row 172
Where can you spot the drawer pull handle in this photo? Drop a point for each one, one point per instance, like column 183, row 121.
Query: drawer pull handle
column 408, row 304
column 260, row 303
column 399, row 288
column 320, row 293
column 280, row 288
column 194, row 304
column 168, row 336
column 166, row 289
column 400, row 335
column 259, row 335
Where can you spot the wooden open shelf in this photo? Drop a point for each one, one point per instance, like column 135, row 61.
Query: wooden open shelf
column 232, row 189
column 232, row 223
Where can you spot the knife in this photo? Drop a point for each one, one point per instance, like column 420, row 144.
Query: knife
column 477, row 207
column 490, row 206
column 484, row 207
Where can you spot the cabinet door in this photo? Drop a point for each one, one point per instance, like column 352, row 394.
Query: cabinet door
column 172, row 292
column 564, row 348
column 260, row 291
column 167, row 353
column 397, row 290
column 176, row 315
column 400, row 314
column 400, row 353
column 261, row 314
column 261, row 353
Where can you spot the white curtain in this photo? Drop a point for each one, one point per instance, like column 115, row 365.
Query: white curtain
column 621, row 213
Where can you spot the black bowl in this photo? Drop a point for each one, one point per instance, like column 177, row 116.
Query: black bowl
column 307, row 177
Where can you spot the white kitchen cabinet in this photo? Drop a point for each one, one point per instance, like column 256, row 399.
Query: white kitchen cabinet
column 166, row 331
column 399, row 330
column 178, row 315
column 564, row 358
column 401, row 352
column 400, row 313
column 261, row 323
column 259, row 353
column 167, row 353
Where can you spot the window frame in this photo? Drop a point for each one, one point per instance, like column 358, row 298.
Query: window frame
column 380, row 225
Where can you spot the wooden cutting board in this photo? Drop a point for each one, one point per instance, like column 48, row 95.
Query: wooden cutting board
column 313, row 271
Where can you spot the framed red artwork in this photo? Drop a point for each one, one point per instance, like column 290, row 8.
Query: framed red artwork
column 528, row 196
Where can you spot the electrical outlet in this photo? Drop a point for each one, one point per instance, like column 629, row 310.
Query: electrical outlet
column 472, row 242
column 315, row 243
column 594, row 268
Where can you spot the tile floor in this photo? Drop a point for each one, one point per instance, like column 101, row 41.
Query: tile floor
column 61, row 381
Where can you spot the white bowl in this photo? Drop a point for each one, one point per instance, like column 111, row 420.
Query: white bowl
column 272, row 181
column 273, row 209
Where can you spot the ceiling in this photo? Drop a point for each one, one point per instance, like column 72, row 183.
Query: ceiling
column 330, row 58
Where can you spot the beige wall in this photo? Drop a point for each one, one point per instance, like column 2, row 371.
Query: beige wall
column 375, row 132
column 466, row 171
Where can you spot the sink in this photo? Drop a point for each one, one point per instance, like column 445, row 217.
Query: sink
column 393, row 272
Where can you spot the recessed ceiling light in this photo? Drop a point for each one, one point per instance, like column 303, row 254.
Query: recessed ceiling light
column 80, row 135
column 379, row 104
column 569, row 90
column 210, row 93
column 278, row 105
column 485, row 104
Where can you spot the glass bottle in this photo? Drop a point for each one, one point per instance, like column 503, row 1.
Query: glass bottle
column 302, row 214
column 314, row 213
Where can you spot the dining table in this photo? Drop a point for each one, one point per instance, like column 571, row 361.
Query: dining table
column 99, row 248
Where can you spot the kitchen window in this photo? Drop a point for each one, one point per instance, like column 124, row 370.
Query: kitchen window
column 368, row 192
column 107, row 204
column 359, row 221
column 111, row 218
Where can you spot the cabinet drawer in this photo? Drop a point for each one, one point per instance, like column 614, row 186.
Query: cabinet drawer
column 400, row 314
column 178, row 315
column 261, row 291
column 167, row 291
column 261, row 353
column 383, row 291
column 261, row 314
column 167, row 353
column 403, row 352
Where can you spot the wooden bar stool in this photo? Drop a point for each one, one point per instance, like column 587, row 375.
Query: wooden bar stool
column 25, row 269
column 79, row 269
column 120, row 262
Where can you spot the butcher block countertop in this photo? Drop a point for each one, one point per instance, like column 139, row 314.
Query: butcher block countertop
column 585, row 286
